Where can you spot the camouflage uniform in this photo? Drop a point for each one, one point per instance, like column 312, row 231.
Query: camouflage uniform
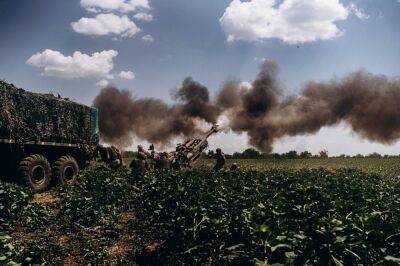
column 138, row 166
column 142, row 154
column 115, row 156
column 163, row 161
column 152, row 158
column 111, row 156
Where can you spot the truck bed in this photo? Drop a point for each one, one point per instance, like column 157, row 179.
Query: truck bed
column 27, row 117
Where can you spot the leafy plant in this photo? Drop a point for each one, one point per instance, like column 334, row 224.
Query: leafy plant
column 257, row 215
column 275, row 216
column 97, row 199
column 16, row 207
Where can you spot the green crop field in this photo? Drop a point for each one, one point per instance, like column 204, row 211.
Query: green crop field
column 292, row 212
column 385, row 166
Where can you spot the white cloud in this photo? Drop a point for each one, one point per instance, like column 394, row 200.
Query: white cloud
column 358, row 12
column 123, row 6
column 293, row 21
column 103, row 83
column 126, row 75
column 105, row 24
column 79, row 65
column 148, row 38
column 143, row 17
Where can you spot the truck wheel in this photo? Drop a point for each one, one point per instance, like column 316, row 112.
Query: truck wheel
column 36, row 171
column 65, row 170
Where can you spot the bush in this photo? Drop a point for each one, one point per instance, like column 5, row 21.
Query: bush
column 97, row 199
column 16, row 207
column 276, row 216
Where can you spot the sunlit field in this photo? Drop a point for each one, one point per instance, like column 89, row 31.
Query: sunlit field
column 385, row 166
column 294, row 212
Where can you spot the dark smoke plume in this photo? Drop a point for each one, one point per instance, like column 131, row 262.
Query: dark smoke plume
column 254, row 105
column 122, row 116
column 368, row 103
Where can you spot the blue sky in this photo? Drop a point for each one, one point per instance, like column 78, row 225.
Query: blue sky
column 189, row 38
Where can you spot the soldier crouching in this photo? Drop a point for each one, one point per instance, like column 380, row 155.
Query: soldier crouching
column 111, row 156
column 163, row 161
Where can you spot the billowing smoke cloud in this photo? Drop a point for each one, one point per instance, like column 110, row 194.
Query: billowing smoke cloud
column 368, row 103
column 251, row 107
column 122, row 116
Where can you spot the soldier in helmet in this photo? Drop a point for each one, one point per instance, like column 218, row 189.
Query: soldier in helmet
column 142, row 153
column 138, row 165
column 233, row 167
column 111, row 156
column 163, row 161
column 152, row 158
column 115, row 157
column 220, row 160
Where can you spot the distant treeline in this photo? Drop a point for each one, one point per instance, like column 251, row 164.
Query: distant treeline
column 252, row 153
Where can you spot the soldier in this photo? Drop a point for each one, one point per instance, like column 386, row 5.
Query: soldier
column 163, row 161
column 219, row 160
column 142, row 154
column 111, row 156
column 151, row 147
column 115, row 157
column 233, row 167
column 103, row 152
column 138, row 165
column 153, row 158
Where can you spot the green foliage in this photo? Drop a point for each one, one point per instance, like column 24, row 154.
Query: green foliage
column 97, row 199
column 16, row 207
column 305, row 155
column 275, row 216
column 387, row 167
column 13, row 202
column 264, row 213
column 7, row 250
column 251, row 153
column 91, row 206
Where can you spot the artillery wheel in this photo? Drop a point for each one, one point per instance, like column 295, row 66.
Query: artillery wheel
column 36, row 171
column 65, row 170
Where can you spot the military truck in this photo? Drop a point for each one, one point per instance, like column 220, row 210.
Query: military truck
column 45, row 137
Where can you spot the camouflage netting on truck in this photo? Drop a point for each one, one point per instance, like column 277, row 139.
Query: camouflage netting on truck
column 27, row 116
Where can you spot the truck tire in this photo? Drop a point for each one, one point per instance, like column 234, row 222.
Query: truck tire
column 36, row 171
column 65, row 170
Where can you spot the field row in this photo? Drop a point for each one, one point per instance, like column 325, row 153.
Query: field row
column 389, row 167
column 278, row 215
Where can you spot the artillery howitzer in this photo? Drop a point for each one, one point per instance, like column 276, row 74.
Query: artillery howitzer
column 190, row 151
column 183, row 157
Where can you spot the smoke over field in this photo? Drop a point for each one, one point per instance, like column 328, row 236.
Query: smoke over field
column 151, row 119
column 368, row 103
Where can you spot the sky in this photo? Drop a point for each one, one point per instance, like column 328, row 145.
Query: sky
column 76, row 47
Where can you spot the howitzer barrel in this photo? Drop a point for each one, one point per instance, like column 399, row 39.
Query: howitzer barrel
column 191, row 150
column 202, row 144
column 212, row 131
